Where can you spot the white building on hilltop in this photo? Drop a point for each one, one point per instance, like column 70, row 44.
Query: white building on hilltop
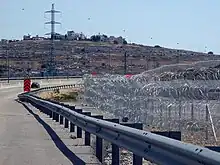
column 113, row 39
column 71, row 35
column 27, row 37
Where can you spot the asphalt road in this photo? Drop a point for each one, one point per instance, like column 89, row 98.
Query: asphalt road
column 23, row 140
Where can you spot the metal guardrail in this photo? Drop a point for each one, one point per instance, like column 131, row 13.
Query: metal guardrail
column 54, row 87
column 39, row 78
column 155, row 148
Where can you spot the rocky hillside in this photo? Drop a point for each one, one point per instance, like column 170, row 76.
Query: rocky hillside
column 78, row 57
column 211, row 73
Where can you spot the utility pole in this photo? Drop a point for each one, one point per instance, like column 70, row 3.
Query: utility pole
column 177, row 59
column 8, row 68
column 29, row 61
column 68, row 63
column 125, row 62
column 51, row 63
column 109, row 60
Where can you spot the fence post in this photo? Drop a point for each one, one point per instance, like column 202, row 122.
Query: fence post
column 99, row 143
column 115, row 148
column 206, row 119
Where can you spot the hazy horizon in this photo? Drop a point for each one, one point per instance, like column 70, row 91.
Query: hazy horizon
column 189, row 25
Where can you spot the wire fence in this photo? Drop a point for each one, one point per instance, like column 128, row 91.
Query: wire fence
column 187, row 101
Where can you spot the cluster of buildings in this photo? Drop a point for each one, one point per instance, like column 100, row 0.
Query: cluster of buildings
column 112, row 39
column 29, row 37
column 71, row 35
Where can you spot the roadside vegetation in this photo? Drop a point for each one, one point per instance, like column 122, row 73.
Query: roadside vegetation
column 66, row 95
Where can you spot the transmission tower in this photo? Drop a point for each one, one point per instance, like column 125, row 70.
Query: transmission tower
column 51, row 62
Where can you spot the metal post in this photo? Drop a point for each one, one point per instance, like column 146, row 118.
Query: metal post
column 53, row 115
column 87, row 134
column 44, row 110
column 177, row 59
column 169, row 116
column 8, row 64
column 50, row 114
column 125, row 62
column 99, row 143
column 192, row 112
column 79, row 132
column 66, row 123
column 138, row 160
column 68, row 65
column 61, row 119
column 109, row 60
column 115, row 148
column 78, row 129
column 72, row 127
column 57, row 117
column 206, row 119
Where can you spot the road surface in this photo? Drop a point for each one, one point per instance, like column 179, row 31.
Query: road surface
column 25, row 138
column 23, row 141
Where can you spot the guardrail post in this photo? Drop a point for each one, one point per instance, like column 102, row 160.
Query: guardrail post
column 66, row 123
column 99, row 143
column 78, row 129
column 45, row 111
column 115, row 148
column 137, row 160
column 57, row 117
column 87, row 134
column 72, row 125
column 50, row 114
column 53, row 115
column 61, row 120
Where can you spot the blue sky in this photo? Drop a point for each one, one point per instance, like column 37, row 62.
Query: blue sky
column 194, row 24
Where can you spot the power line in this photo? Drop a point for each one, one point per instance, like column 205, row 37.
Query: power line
column 51, row 62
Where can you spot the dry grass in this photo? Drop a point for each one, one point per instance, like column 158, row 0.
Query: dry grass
column 61, row 95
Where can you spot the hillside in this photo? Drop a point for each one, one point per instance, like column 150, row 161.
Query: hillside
column 78, row 57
